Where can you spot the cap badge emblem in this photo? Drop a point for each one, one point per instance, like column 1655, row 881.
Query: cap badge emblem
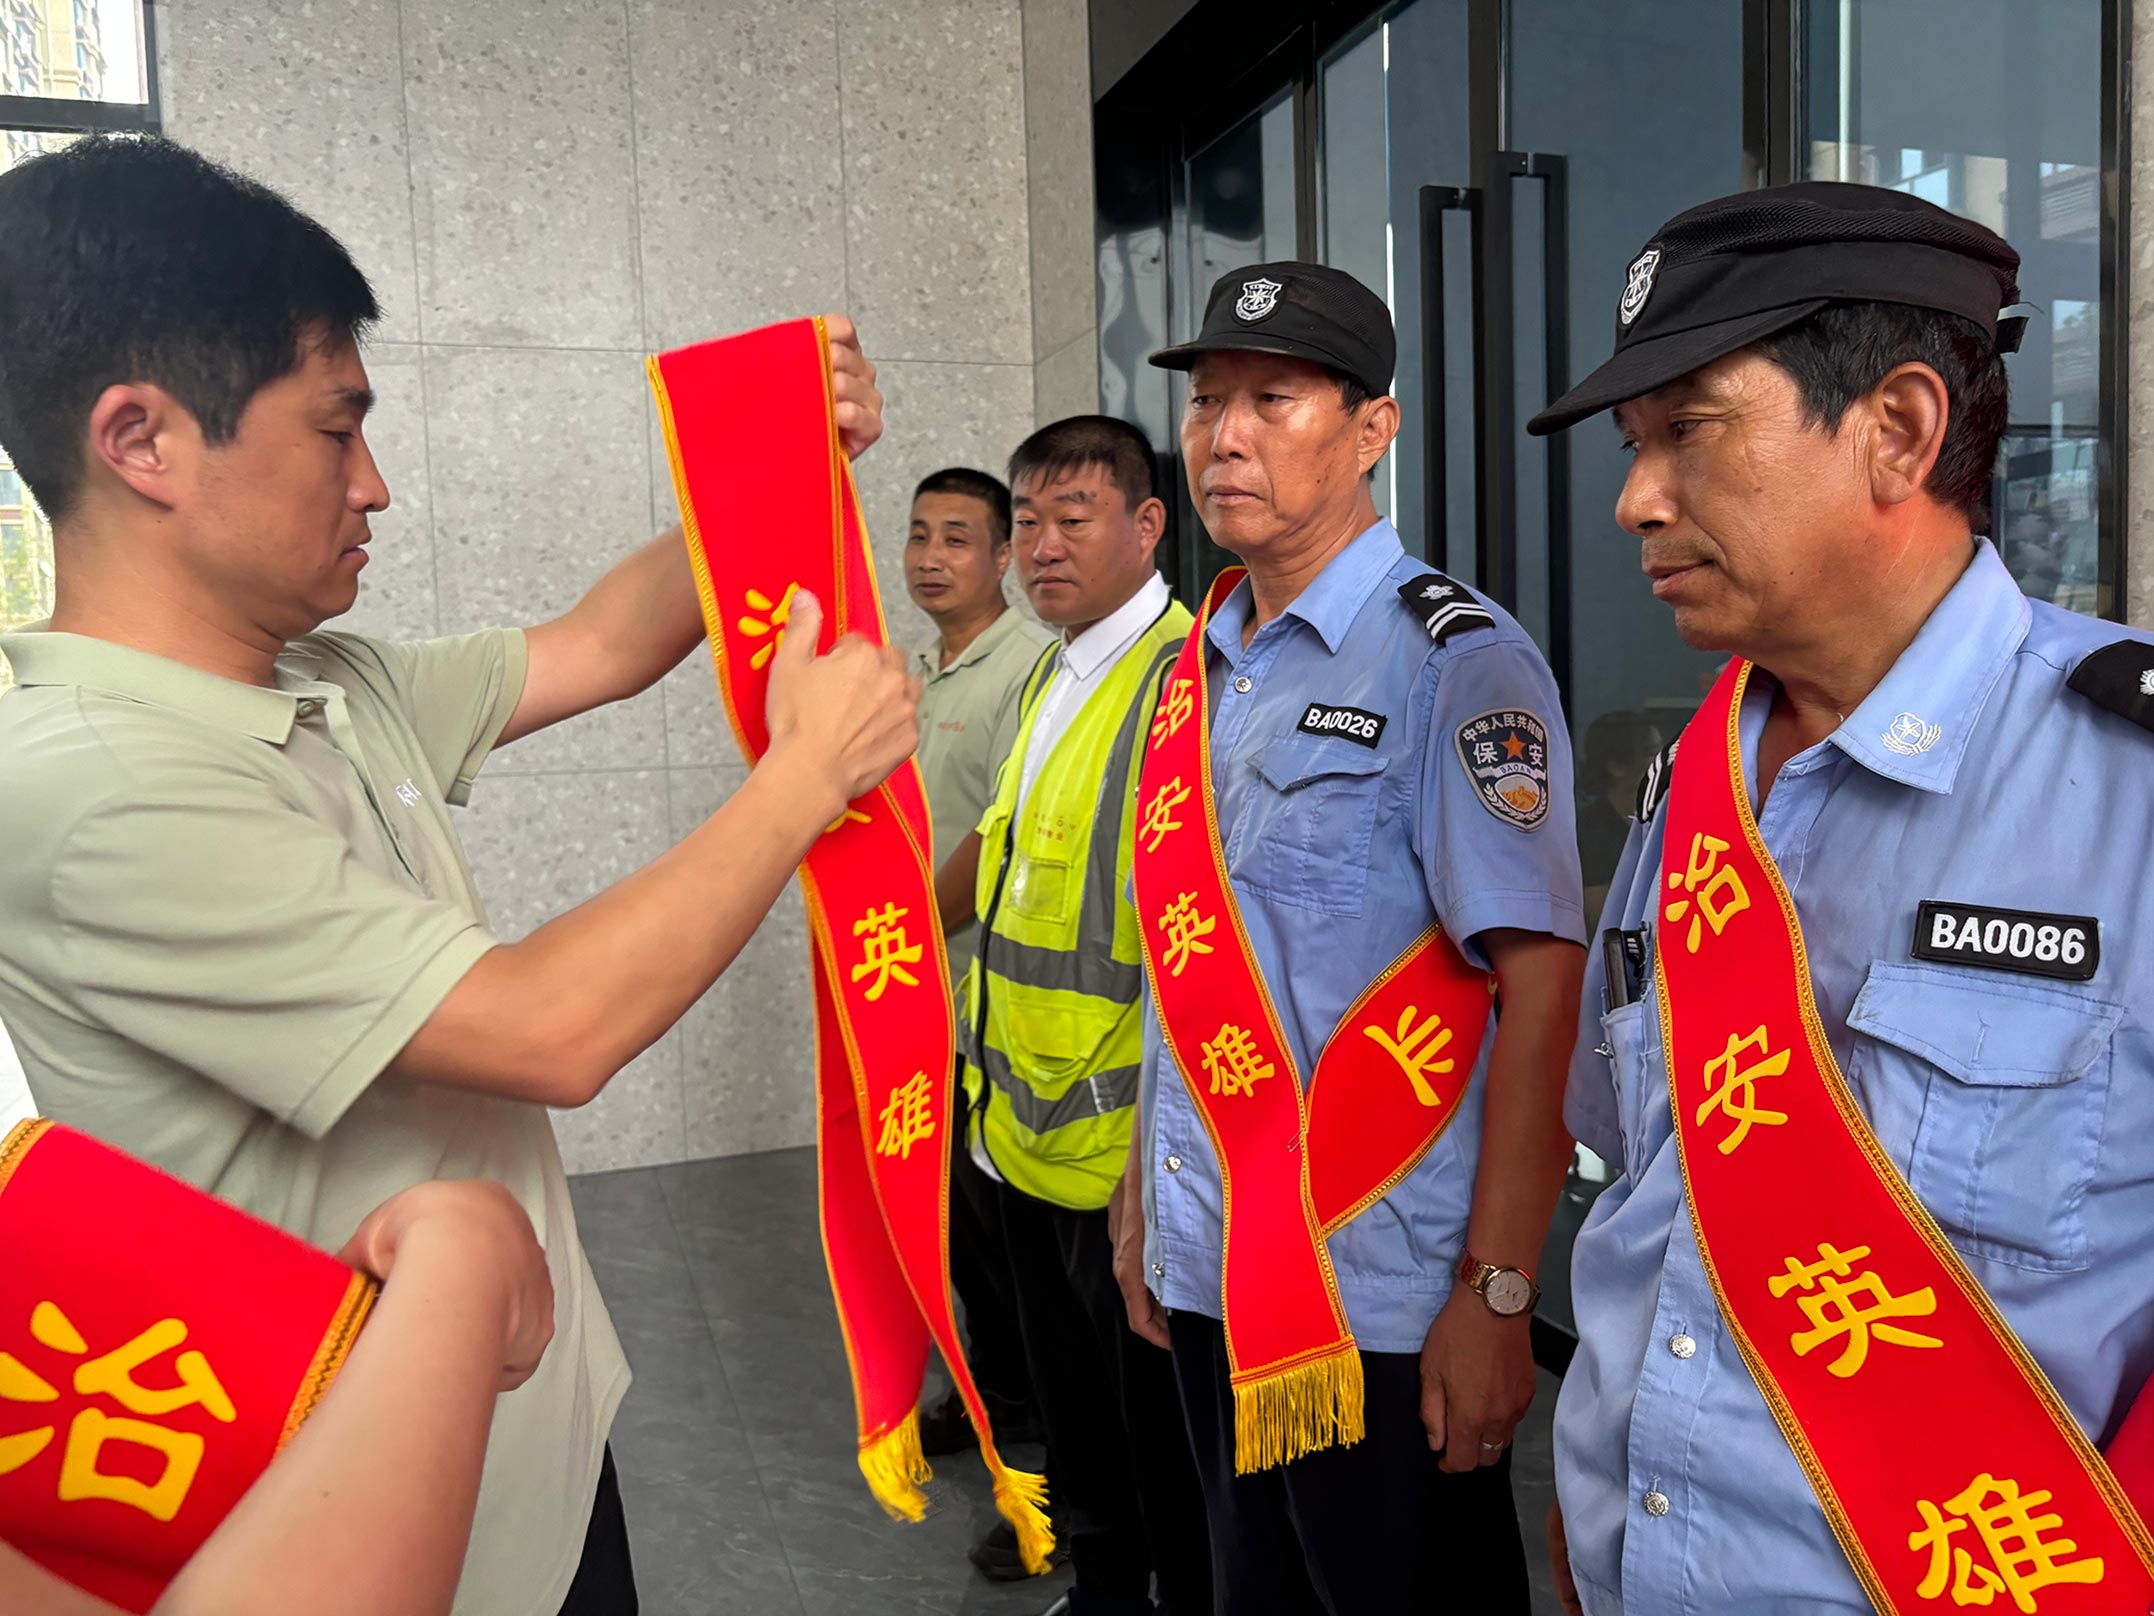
column 1639, row 286
column 2146, row 683
column 1259, row 297
column 1908, row 735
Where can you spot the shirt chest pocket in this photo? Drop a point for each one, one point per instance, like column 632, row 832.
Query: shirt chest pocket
column 1045, row 867
column 1993, row 1091
column 1308, row 845
column 1641, row 1093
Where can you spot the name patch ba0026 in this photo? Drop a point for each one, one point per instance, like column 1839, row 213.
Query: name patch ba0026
column 1354, row 723
column 2067, row 947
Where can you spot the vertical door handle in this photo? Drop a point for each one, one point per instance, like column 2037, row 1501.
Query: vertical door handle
column 1436, row 201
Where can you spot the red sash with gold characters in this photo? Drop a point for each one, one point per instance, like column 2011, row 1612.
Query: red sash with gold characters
column 158, row 1347
column 1952, row 1473
column 1386, row 1085
column 769, row 507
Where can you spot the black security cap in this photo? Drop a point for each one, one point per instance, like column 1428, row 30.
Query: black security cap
column 1310, row 311
column 1732, row 271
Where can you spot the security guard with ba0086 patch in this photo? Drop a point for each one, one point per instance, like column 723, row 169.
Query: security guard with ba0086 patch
column 1869, row 1036
column 1355, row 828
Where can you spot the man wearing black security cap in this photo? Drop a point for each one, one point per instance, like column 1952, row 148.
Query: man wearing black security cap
column 1354, row 829
column 1870, row 1039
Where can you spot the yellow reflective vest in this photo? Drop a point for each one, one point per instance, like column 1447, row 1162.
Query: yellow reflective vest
column 1053, row 1032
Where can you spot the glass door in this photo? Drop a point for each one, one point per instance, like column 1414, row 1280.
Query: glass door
column 1992, row 108
column 1392, row 103
column 1236, row 204
column 1630, row 162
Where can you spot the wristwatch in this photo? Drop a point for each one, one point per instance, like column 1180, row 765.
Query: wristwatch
column 1507, row 1291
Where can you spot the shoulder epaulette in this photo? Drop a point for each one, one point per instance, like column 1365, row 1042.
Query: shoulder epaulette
column 1653, row 789
column 2121, row 678
column 1445, row 608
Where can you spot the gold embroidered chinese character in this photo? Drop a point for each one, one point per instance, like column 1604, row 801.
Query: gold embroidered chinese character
column 1185, row 929
column 1233, row 1062
column 1417, row 1050
column 1856, row 1311
column 775, row 615
column 1174, row 710
column 908, row 1118
column 112, row 1375
column 1732, row 1088
column 1159, row 814
column 2017, row 1557
column 886, row 953
column 1715, row 891
column 851, row 816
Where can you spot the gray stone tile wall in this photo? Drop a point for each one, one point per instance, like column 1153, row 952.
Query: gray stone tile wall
column 545, row 192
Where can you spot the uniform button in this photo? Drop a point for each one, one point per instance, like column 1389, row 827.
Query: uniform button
column 1242, row 686
column 309, row 706
column 1682, row 1346
column 1174, row 1164
column 1656, row 1504
column 1159, row 1270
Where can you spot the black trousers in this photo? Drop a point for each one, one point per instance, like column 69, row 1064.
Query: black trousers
column 1123, row 1487
column 980, row 1274
column 605, row 1582
column 1375, row 1529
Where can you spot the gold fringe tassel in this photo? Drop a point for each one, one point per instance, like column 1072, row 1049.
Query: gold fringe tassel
column 896, row 1469
column 1022, row 1499
column 1281, row 1417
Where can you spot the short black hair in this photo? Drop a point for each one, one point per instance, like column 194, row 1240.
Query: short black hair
column 136, row 260
column 1353, row 391
column 989, row 491
column 1845, row 349
column 1089, row 440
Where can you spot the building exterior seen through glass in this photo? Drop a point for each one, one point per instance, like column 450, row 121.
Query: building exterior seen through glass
column 82, row 51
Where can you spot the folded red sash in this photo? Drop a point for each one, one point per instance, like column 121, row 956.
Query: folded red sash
column 158, row 1347
column 1386, row 1086
column 768, row 504
column 1949, row 1468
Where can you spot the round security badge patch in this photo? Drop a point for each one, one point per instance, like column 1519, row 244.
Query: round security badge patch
column 1506, row 758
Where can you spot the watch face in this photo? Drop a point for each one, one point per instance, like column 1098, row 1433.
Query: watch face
column 1508, row 1292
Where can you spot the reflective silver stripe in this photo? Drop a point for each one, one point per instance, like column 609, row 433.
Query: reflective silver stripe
column 1100, row 976
column 1103, row 1094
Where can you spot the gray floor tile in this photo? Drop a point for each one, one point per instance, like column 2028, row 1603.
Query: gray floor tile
column 736, row 1443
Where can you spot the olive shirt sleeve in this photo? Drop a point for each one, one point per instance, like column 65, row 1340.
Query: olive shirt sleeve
column 236, row 935
column 206, row 915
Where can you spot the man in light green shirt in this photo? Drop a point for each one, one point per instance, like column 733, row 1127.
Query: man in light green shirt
column 973, row 673
column 238, row 936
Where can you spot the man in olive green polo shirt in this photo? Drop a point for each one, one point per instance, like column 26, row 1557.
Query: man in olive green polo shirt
column 237, row 934
column 973, row 673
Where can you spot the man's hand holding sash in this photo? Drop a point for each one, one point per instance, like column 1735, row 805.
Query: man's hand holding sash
column 769, row 508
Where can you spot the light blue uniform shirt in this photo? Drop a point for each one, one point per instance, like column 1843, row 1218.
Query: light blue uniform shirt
column 1340, row 855
column 2021, row 1109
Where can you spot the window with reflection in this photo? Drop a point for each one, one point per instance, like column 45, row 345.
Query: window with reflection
column 1992, row 108
column 65, row 66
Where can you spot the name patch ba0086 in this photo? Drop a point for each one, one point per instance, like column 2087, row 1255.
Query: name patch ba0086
column 2067, row 947
column 1354, row 723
